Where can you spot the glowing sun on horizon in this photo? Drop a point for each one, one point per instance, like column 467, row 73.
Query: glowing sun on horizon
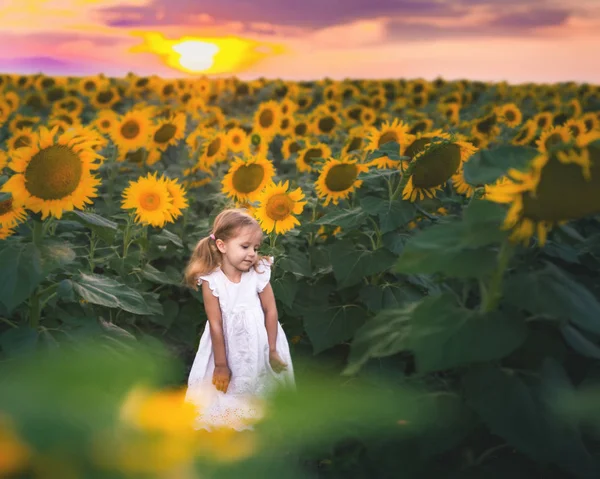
column 213, row 55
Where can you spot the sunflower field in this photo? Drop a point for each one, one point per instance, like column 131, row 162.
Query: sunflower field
column 435, row 244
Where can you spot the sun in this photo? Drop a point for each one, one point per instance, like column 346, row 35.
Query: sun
column 196, row 55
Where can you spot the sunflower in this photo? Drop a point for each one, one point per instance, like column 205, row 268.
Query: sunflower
column 151, row 200
column 301, row 127
column 266, row 119
column 304, row 101
column 543, row 120
column 552, row 137
column 591, row 121
column 105, row 98
column 576, row 127
column 429, row 170
column 236, row 138
column 460, row 183
column 35, row 100
column 510, row 115
column 3, row 160
column 397, row 132
column 286, row 125
column 368, row 116
column 20, row 138
column 324, row 123
column 168, row 131
column 131, row 131
column 277, row 207
column 308, row 155
column 256, row 145
column 5, row 111
column 419, row 142
column 290, row 146
column 89, row 85
column 526, row 134
column 560, row 186
column 69, row 105
column 339, row 178
column 214, row 149
column 11, row 213
column 21, row 121
column 451, row 112
column 178, row 199
column 105, row 121
column 356, row 140
column 54, row 175
column 12, row 100
column 63, row 120
column 486, row 126
column 288, row 107
column 247, row 177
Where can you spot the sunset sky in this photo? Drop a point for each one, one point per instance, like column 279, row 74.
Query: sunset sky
column 512, row 40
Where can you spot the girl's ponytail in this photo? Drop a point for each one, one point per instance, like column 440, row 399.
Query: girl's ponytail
column 205, row 259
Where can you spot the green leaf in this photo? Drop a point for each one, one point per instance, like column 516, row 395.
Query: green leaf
column 392, row 214
column 551, row 292
column 150, row 273
column 443, row 335
column 346, row 219
column 351, row 265
column 313, row 297
column 170, row 310
column 21, row 266
column 521, row 415
column 101, row 226
column 56, row 255
column 18, row 341
column 165, row 236
column 438, row 249
column 486, row 166
column 388, row 296
column 107, row 292
column 295, row 261
column 580, row 343
column 285, row 289
column 332, row 325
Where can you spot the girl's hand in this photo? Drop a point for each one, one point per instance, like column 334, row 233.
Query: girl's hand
column 276, row 362
column 221, row 378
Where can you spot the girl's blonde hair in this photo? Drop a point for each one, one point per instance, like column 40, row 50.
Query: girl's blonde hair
column 206, row 256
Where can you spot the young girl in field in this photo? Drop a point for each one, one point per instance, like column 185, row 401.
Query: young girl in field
column 243, row 353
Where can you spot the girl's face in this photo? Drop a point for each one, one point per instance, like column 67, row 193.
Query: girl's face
column 241, row 251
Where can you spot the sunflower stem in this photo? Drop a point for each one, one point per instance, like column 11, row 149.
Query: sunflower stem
column 38, row 233
column 493, row 293
column 399, row 189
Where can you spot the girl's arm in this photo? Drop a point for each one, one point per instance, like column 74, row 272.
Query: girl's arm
column 222, row 373
column 267, row 299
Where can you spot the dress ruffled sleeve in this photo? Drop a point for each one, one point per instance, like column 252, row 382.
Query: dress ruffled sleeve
column 263, row 273
column 213, row 282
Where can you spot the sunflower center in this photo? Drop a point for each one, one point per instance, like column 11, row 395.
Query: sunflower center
column 485, row 126
column 149, row 201
column 105, row 96
column 575, row 130
column 341, row 177
column 35, row 102
column 418, row 127
column 553, row 140
column 416, row 147
column 22, row 141
column 165, row 133
column 300, row 129
column 24, row 124
column 294, row 147
column 326, row 124
column 236, row 139
column 53, row 173
column 311, row 154
column 279, row 207
column 213, row 147
column 563, row 193
column 248, row 178
column 168, row 90
column 285, row 123
column 355, row 112
column 524, row 133
column 266, row 118
column 136, row 156
column 510, row 115
column 105, row 124
column 242, row 89
column 142, row 82
column 6, row 206
column 130, row 129
column 89, row 85
column 436, row 166
column 47, row 82
column 355, row 143
column 388, row 137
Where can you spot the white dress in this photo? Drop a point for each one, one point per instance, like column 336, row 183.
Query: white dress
column 247, row 351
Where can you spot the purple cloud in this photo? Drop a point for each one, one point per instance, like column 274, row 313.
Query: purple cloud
column 42, row 64
column 305, row 13
column 534, row 18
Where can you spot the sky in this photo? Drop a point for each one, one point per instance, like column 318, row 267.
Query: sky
column 518, row 41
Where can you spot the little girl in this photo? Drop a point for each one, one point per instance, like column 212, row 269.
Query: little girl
column 243, row 353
